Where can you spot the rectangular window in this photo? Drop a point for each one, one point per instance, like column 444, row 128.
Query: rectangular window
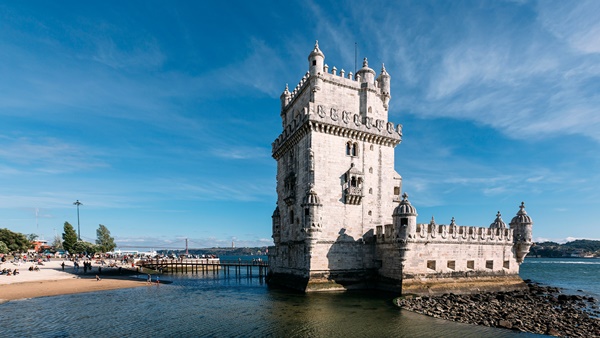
column 489, row 265
column 431, row 265
column 452, row 265
column 506, row 265
column 471, row 265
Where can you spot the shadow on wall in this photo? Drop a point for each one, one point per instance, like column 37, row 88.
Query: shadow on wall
column 346, row 260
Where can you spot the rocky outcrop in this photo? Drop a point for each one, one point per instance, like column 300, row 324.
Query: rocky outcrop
column 538, row 309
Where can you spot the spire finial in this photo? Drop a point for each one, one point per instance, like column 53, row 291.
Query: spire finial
column 405, row 196
column 365, row 63
column 383, row 67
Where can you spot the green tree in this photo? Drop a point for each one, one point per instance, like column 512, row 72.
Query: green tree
column 3, row 248
column 82, row 247
column 16, row 242
column 32, row 237
column 69, row 237
column 103, row 239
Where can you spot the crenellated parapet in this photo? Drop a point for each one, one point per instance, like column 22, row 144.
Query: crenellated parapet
column 445, row 233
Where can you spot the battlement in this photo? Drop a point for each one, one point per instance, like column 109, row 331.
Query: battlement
column 349, row 80
column 444, row 233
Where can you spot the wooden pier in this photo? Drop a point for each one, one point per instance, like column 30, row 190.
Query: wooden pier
column 206, row 266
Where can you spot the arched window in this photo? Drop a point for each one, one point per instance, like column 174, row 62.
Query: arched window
column 349, row 148
column 354, row 149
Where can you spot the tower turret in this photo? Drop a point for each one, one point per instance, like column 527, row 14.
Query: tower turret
column 312, row 216
column 405, row 218
column 276, row 225
column 366, row 74
column 498, row 222
column 316, row 59
column 285, row 97
column 522, row 226
column 383, row 81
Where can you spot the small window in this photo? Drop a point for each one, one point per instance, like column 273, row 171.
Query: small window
column 506, row 265
column 306, row 212
column 431, row 265
column 371, row 147
column 314, row 62
column 370, row 213
column 370, row 190
column 371, row 170
column 489, row 265
column 348, row 149
column 471, row 265
column 355, row 149
column 452, row 265
column 396, row 191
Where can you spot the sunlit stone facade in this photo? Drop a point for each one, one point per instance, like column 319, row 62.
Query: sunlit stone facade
column 341, row 222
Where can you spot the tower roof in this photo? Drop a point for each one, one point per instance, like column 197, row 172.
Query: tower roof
column 405, row 208
column 316, row 51
column 498, row 222
column 365, row 68
column 521, row 217
column 312, row 198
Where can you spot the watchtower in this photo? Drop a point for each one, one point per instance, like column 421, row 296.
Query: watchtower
column 335, row 177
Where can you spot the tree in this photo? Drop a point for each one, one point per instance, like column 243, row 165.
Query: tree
column 32, row 237
column 81, row 247
column 3, row 248
column 16, row 242
column 69, row 237
column 103, row 239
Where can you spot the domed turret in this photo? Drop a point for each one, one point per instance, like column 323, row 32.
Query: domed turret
column 384, row 83
column 405, row 219
column 366, row 74
column 405, row 208
column 312, row 215
column 276, row 225
column 316, row 59
column 285, row 97
column 522, row 226
column 498, row 222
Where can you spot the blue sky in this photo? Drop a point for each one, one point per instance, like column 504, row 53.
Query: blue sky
column 159, row 117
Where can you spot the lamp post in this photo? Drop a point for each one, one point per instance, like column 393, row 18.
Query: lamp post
column 77, row 203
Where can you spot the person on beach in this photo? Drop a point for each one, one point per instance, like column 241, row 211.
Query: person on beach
column 157, row 280
column 97, row 278
column 149, row 280
column 63, row 266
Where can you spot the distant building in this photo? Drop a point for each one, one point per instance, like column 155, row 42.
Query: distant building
column 341, row 221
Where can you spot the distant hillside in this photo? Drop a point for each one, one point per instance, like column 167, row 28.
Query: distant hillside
column 575, row 249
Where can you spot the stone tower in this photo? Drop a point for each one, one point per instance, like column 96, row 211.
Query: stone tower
column 335, row 177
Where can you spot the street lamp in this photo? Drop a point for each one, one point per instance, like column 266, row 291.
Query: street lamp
column 77, row 203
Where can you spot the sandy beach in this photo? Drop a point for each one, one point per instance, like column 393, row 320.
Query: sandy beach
column 50, row 280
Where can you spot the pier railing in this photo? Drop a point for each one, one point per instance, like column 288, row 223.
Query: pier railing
column 204, row 266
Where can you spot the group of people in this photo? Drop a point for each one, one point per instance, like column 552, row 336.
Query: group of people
column 34, row 268
column 9, row 272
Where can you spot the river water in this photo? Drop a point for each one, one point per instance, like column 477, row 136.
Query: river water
column 214, row 306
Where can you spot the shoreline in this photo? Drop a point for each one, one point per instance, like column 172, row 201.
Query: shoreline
column 51, row 280
column 539, row 309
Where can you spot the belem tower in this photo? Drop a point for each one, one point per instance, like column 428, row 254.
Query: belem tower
column 342, row 221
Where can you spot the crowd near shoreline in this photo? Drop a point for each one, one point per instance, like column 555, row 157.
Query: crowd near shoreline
column 538, row 309
column 52, row 277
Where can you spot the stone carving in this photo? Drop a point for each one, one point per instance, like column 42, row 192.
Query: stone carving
column 357, row 120
column 334, row 114
column 321, row 111
column 346, row 116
